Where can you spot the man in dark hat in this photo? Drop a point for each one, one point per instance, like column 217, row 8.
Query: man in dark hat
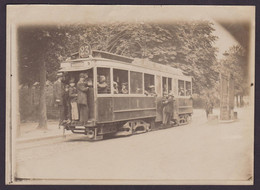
column 82, row 98
column 58, row 93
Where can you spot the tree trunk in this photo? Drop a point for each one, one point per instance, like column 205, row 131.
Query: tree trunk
column 241, row 101
column 237, row 101
column 42, row 108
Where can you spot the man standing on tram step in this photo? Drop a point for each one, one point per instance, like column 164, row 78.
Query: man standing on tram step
column 82, row 98
column 58, row 93
column 167, row 109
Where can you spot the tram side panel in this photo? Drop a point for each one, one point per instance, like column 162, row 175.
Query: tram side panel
column 113, row 109
column 184, row 106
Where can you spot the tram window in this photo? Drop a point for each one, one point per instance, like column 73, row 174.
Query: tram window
column 181, row 91
column 103, row 80
column 149, row 84
column 158, row 85
column 165, row 87
column 169, row 85
column 136, row 83
column 120, row 81
column 188, row 88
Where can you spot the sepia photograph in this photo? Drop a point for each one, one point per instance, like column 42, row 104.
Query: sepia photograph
column 130, row 95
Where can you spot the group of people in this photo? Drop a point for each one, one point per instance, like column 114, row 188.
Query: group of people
column 122, row 90
column 73, row 99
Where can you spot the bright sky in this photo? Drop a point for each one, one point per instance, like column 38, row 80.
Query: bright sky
column 71, row 14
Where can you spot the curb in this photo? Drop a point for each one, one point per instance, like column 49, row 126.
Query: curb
column 27, row 140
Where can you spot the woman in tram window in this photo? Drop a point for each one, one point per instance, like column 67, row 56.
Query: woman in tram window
column 124, row 89
column 102, row 85
column 115, row 86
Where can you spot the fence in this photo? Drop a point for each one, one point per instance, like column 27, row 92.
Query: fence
column 29, row 102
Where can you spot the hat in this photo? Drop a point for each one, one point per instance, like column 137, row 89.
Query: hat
column 81, row 75
column 59, row 74
column 171, row 94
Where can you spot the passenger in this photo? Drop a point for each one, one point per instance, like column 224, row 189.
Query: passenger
column 115, row 86
column 124, row 89
column 165, row 89
column 73, row 97
column 208, row 106
column 138, row 90
column 66, row 104
column 82, row 98
column 58, row 92
column 90, row 95
column 151, row 91
column 181, row 91
column 167, row 109
column 102, row 85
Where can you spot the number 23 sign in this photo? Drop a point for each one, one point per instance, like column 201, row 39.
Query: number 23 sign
column 84, row 51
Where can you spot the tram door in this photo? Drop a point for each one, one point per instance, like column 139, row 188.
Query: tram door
column 158, row 84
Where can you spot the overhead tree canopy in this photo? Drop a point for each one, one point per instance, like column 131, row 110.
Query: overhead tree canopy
column 189, row 46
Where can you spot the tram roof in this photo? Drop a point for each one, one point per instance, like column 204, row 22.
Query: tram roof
column 156, row 66
column 106, row 56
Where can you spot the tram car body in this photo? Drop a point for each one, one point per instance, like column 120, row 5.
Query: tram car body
column 133, row 110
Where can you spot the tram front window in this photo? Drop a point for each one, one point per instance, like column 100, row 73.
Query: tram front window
column 103, row 80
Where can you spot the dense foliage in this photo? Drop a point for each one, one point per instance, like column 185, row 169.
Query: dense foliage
column 185, row 45
column 189, row 46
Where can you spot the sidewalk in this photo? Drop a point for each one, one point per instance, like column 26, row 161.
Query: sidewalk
column 29, row 132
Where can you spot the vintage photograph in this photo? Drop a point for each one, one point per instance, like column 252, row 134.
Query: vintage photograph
column 120, row 94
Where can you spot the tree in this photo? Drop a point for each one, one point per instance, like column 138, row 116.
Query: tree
column 40, row 51
column 235, row 63
column 185, row 45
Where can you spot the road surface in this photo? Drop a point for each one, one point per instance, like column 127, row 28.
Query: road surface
column 198, row 151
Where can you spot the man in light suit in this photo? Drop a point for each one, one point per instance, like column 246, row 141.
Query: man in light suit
column 82, row 98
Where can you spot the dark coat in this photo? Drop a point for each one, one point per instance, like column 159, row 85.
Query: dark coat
column 58, row 92
column 82, row 93
column 102, row 88
column 168, row 104
column 73, row 94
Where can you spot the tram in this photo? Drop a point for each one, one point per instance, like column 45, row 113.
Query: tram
column 132, row 102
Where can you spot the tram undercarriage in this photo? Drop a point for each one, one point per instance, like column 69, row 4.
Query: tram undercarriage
column 125, row 128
